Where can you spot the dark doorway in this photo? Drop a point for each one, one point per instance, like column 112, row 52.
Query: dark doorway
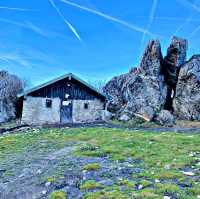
column 66, row 112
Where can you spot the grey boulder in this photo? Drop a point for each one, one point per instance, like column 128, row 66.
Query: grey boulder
column 187, row 100
column 165, row 118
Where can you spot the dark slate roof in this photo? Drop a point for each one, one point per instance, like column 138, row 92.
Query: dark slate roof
column 69, row 75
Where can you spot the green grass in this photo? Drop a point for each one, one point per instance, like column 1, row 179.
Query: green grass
column 147, row 194
column 10, row 124
column 114, row 194
column 127, row 183
column 58, row 195
column 92, row 167
column 154, row 150
column 135, row 123
column 90, row 184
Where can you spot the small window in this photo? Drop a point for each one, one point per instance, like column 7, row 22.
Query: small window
column 48, row 103
column 86, row 106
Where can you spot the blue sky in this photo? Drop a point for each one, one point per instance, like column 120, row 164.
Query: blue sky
column 95, row 39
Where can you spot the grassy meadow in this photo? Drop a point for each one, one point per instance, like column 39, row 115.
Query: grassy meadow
column 168, row 162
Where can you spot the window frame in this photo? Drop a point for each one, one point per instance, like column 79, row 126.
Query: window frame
column 48, row 103
column 86, row 105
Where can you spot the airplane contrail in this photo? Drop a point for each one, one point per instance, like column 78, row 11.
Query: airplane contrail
column 66, row 22
column 194, row 32
column 124, row 23
column 169, row 18
column 17, row 9
column 187, row 21
column 153, row 9
column 151, row 18
column 188, row 3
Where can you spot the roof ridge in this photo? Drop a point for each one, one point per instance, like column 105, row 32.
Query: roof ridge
column 58, row 79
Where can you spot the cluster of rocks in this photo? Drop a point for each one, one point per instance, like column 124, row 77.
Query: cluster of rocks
column 10, row 86
column 160, row 89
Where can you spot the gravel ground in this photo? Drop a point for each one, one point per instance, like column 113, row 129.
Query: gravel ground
column 25, row 176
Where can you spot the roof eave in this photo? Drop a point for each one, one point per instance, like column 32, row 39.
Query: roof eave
column 69, row 75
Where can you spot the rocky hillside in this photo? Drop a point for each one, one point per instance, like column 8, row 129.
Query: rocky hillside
column 10, row 86
column 160, row 88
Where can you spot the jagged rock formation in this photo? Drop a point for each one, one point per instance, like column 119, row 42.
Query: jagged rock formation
column 187, row 100
column 149, row 89
column 10, row 86
column 175, row 58
column 141, row 92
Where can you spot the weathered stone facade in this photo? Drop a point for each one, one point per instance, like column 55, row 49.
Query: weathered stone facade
column 35, row 111
column 92, row 113
column 64, row 100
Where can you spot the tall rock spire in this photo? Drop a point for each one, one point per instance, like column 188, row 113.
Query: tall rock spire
column 151, row 59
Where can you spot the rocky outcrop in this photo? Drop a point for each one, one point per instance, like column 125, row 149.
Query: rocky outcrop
column 10, row 86
column 187, row 100
column 175, row 58
column 142, row 91
column 149, row 89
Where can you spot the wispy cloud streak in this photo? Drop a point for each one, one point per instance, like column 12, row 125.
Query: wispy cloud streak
column 12, row 22
column 151, row 18
column 14, row 57
column 71, row 27
column 27, row 25
column 16, row 9
column 124, row 23
column 36, row 29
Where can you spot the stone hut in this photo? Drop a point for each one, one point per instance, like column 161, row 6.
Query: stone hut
column 64, row 100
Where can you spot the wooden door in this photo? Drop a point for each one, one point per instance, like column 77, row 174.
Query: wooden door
column 66, row 111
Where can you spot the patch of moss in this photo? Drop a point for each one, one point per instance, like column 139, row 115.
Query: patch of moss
column 167, row 188
column 146, row 194
column 145, row 183
column 115, row 194
column 168, row 174
column 127, row 183
column 92, row 167
column 195, row 190
column 9, row 173
column 51, row 179
column 58, row 195
column 91, row 184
